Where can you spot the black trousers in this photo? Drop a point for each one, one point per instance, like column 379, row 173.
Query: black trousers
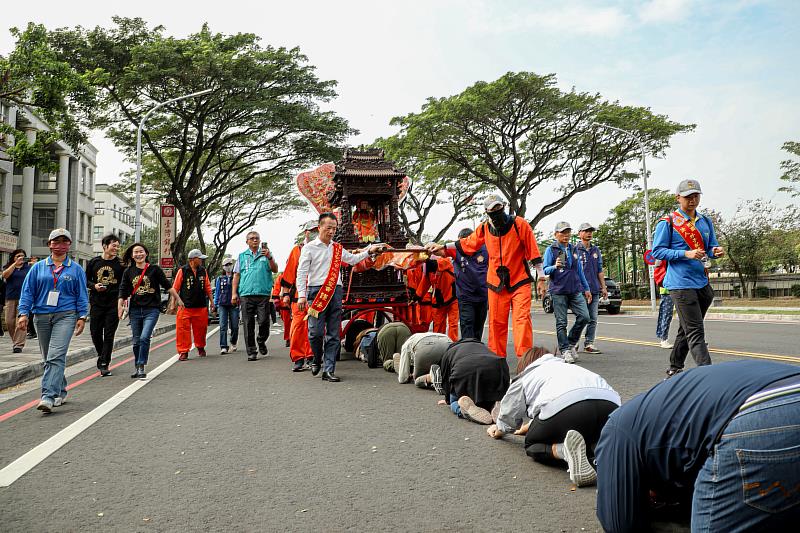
column 255, row 312
column 471, row 318
column 691, row 305
column 586, row 417
column 103, row 322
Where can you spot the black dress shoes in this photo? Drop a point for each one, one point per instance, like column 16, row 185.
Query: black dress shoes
column 252, row 358
column 262, row 348
column 329, row 376
column 315, row 369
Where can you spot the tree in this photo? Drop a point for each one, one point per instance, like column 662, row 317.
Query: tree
column 521, row 133
column 34, row 77
column 261, row 119
column 791, row 169
column 750, row 241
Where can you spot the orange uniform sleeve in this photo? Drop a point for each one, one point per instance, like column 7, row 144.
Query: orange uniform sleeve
column 178, row 280
column 289, row 277
column 474, row 241
column 528, row 239
column 276, row 286
column 209, row 292
column 424, row 285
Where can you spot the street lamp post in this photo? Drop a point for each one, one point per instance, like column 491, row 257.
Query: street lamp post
column 646, row 205
column 138, row 222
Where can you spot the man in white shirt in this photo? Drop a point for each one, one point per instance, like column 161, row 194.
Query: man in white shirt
column 313, row 270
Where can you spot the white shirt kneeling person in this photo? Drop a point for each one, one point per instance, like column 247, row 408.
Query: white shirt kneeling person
column 319, row 282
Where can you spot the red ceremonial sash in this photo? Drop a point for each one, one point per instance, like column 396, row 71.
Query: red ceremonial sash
column 689, row 232
column 328, row 289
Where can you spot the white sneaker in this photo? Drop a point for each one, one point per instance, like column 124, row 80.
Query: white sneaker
column 232, row 348
column 223, row 351
column 666, row 344
column 581, row 471
column 45, row 405
column 59, row 401
column 569, row 356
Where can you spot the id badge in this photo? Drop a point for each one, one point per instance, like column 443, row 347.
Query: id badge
column 52, row 298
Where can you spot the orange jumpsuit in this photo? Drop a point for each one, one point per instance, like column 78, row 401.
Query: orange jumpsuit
column 508, row 279
column 299, row 347
column 421, row 312
column 191, row 320
column 442, row 279
column 284, row 310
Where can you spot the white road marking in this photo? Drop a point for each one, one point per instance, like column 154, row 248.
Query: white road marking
column 617, row 323
column 26, row 462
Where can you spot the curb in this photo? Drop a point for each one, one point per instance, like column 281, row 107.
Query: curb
column 752, row 317
column 15, row 376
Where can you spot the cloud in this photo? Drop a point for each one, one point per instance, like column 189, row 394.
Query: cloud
column 664, row 10
column 566, row 18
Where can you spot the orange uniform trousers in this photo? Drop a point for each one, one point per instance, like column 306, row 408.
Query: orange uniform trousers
column 519, row 303
column 286, row 318
column 445, row 320
column 299, row 347
column 191, row 322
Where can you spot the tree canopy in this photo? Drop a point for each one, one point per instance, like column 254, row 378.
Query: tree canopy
column 521, row 134
column 791, row 169
column 262, row 120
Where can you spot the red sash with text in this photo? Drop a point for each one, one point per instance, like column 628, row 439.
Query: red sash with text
column 689, row 232
column 328, row 289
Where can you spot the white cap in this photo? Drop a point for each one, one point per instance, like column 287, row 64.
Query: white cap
column 197, row 253
column 59, row 232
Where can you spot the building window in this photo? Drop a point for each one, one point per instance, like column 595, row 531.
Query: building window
column 83, row 179
column 114, row 211
column 89, row 223
column 2, row 191
column 15, row 218
column 98, row 233
column 90, row 192
column 44, row 221
column 45, row 182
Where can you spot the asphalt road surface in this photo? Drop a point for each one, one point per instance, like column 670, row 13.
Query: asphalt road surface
column 223, row 444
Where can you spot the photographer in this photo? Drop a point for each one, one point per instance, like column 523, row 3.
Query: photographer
column 14, row 274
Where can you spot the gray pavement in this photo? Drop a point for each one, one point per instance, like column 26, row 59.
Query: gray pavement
column 223, row 444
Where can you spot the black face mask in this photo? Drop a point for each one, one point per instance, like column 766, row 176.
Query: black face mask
column 498, row 218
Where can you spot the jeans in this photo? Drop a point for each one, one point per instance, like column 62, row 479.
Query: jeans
column 591, row 328
column 55, row 331
column 751, row 481
column 576, row 302
column 325, row 328
column 665, row 308
column 103, row 322
column 472, row 317
column 692, row 305
column 255, row 311
column 228, row 318
column 453, row 399
column 143, row 321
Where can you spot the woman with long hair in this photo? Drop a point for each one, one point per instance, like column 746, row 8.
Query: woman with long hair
column 142, row 283
column 567, row 406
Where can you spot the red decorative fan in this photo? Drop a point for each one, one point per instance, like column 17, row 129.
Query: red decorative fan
column 315, row 185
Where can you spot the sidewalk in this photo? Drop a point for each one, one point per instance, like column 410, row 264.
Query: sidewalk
column 745, row 313
column 16, row 368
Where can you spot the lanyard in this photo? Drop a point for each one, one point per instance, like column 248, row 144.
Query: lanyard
column 53, row 271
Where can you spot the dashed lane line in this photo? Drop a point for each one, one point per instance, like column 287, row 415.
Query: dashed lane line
column 26, row 462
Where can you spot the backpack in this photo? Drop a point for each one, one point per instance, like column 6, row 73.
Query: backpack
column 369, row 349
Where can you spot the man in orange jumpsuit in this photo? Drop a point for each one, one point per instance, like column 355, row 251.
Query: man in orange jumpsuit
column 421, row 313
column 285, row 310
column 299, row 347
column 441, row 278
column 194, row 288
column 512, row 251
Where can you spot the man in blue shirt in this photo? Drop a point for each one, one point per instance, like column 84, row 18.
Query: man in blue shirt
column 473, row 298
column 686, row 241
column 592, row 262
column 567, row 282
column 720, row 440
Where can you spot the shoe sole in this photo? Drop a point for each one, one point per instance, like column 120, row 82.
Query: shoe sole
column 436, row 379
column 473, row 413
column 581, row 471
column 44, row 408
column 592, row 351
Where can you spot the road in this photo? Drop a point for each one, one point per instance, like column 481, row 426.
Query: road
column 223, row 444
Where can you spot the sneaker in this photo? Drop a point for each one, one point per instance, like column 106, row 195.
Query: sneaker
column 299, row 365
column 666, row 344
column 436, row 379
column 183, row 356
column 201, row 352
column 223, row 351
column 58, row 401
column 45, row 405
column 422, row 381
column 589, row 348
column 233, row 348
column 581, row 471
column 396, row 362
column 472, row 412
column 569, row 356
column 262, row 348
column 673, row 371
column 17, row 349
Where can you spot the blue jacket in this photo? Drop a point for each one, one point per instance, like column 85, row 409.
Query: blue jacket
column 222, row 290
column 592, row 263
column 471, row 275
column 71, row 286
column 683, row 273
column 660, row 439
column 567, row 280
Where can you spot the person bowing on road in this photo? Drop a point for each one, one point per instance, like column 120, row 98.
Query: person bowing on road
column 319, row 280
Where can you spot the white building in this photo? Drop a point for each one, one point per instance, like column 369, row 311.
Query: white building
column 33, row 203
column 115, row 213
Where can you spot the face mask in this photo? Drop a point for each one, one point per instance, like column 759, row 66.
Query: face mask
column 227, row 268
column 497, row 218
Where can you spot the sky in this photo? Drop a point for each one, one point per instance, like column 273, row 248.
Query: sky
column 724, row 65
